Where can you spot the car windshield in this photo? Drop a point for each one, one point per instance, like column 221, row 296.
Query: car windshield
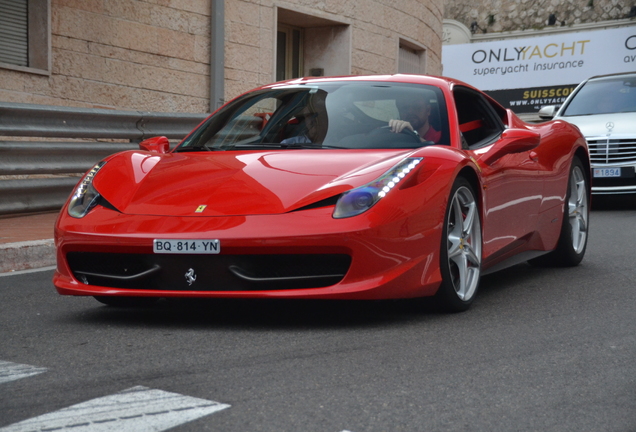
column 604, row 96
column 324, row 115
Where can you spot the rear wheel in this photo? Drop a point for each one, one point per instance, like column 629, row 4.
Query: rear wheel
column 576, row 214
column 460, row 257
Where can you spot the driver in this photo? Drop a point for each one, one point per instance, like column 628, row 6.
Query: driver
column 414, row 115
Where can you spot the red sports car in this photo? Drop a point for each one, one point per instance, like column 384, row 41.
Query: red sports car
column 360, row 187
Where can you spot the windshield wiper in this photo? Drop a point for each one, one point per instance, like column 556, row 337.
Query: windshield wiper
column 259, row 146
column 275, row 146
column 256, row 146
column 309, row 146
column 193, row 149
column 299, row 145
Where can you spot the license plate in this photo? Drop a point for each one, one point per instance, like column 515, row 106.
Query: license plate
column 171, row 246
column 607, row 172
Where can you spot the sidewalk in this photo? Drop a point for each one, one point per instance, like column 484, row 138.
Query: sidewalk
column 26, row 242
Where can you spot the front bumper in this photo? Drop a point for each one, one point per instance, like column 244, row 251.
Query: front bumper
column 623, row 184
column 303, row 254
column 608, row 154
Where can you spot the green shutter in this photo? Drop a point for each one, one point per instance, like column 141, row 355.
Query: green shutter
column 14, row 41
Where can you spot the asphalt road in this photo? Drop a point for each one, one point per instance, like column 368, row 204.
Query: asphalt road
column 542, row 349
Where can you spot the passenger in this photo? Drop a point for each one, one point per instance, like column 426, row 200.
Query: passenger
column 314, row 118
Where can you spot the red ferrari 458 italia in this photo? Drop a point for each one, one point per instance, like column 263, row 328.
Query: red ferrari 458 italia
column 360, row 187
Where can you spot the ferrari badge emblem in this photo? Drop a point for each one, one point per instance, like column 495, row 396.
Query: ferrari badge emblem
column 190, row 276
column 200, row 209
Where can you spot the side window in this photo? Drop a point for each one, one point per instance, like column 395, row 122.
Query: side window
column 500, row 112
column 478, row 123
column 248, row 124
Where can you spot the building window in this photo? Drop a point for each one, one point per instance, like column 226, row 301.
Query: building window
column 307, row 45
column 412, row 59
column 13, row 32
column 289, row 53
column 25, row 34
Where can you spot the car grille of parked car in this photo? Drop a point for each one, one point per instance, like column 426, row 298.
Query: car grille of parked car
column 208, row 272
column 612, row 151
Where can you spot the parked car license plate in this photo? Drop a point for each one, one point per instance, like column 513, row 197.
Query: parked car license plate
column 171, row 246
column 607, row 172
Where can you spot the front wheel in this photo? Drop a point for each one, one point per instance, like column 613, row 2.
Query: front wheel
column 576, row 215
column 460, row 255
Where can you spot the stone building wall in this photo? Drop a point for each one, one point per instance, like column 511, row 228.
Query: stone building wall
column 511, row 15
column 375, row 28
column 140, row 55
column 154, row 55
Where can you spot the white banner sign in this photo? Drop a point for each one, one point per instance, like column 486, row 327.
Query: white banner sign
column 553, row 60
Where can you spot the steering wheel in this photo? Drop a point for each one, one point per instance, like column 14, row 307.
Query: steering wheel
column 413, row 137
column 383, row 138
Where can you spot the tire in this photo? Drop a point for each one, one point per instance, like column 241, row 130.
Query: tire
column 461, row 246
column 126, row 301
column 574, row 229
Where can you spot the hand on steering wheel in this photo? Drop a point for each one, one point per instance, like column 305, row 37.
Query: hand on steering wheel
column 398, row 126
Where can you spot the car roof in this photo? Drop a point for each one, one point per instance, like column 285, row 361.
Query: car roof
column 610, row 76
column 398, row 78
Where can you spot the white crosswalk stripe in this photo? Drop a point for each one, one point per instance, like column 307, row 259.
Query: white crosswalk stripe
column 138, row 409
column 14, row 371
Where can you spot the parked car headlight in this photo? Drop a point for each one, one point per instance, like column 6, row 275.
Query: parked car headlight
column 85, row 195
column 361, row 199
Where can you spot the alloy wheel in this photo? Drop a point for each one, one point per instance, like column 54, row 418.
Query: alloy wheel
column 578, row 210
column 464, row 243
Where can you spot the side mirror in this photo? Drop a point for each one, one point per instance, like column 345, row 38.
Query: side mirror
column 157, row 145
column 547, row 112
column 512, row 141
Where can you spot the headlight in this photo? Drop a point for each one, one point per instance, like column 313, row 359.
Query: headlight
column 362, row 198
column 85, row 195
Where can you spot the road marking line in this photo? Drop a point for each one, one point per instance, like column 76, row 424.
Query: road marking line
column 138, row 409
column 14, row 371
column 21, row 272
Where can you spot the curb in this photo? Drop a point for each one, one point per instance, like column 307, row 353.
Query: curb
column 26, row 255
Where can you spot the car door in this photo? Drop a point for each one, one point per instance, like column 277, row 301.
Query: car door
column 512, row 189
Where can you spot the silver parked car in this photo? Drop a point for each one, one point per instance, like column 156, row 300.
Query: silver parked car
column 604, row 108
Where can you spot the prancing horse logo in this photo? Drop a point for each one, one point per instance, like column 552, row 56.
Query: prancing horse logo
column 190, row 276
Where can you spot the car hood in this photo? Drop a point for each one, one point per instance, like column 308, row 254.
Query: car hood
column 235, row 183
column 615, row 125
